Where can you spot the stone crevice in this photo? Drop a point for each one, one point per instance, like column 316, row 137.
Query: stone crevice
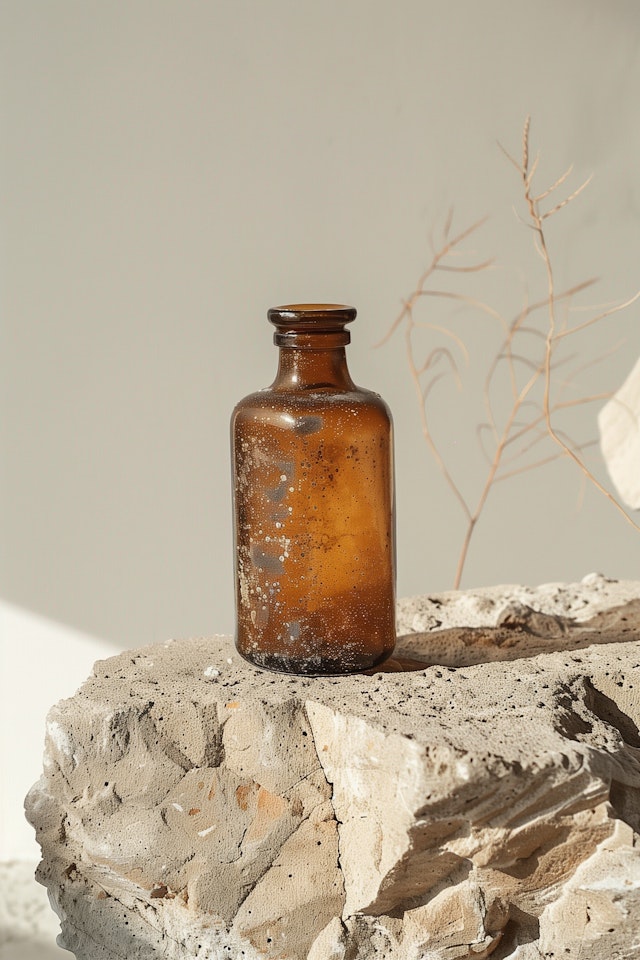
column 307, row 776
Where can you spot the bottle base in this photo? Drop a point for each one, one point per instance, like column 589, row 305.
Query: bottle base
column 313, row 666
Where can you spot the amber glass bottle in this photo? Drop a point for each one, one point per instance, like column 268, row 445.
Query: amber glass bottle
column 313, row 491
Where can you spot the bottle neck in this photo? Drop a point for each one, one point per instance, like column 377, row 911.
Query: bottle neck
column 315, row 361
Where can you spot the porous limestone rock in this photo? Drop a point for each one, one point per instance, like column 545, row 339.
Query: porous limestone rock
column 479, row 795
column 619, row 423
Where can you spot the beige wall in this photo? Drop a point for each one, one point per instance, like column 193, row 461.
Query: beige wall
column 168, row 170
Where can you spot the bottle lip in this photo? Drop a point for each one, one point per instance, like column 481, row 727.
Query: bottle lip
column 311, row 316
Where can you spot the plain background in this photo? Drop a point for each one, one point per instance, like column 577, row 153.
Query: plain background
column 168, row 171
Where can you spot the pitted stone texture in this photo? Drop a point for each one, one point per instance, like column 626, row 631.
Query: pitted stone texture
column 442, row 808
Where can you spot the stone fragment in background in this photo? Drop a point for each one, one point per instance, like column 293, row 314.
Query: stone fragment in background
column 619, row 423
column 481, row 795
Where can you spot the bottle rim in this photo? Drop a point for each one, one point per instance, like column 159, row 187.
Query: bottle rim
column 316, row 315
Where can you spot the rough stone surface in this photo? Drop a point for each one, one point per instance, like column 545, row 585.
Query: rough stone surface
column 619, row 423
column 480, row 796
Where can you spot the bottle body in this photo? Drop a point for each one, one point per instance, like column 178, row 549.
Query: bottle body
column 314, row 520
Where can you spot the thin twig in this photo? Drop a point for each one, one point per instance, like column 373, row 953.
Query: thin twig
column 563, row 203
column 470, row 301
column 554, row 186
column 601, row 316
column 475, row 268
column 541, row 463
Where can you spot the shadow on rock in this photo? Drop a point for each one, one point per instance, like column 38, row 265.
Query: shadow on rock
column 520, row 632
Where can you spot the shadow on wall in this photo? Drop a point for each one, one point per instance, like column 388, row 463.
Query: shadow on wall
column 28, row 925
column 32, row 949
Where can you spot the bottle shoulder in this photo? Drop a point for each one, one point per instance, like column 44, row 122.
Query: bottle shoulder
column 295, row 402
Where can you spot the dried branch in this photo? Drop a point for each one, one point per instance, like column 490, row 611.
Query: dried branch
column 552, row 337
column 526, row 351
